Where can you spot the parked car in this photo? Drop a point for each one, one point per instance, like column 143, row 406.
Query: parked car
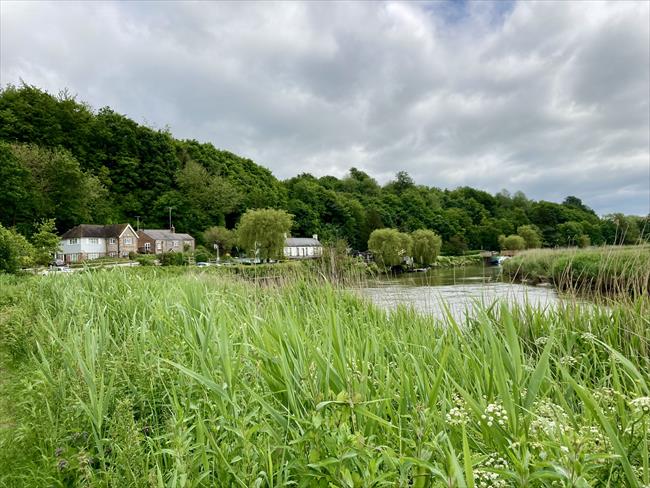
column 202, row 264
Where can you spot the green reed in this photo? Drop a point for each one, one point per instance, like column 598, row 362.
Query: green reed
column 186, row 379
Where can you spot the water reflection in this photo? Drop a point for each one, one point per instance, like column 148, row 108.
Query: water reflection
column 459, row 290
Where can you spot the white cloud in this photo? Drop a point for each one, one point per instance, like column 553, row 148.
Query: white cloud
column 548, row 97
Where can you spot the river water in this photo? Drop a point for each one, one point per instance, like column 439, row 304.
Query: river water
column 457, row 290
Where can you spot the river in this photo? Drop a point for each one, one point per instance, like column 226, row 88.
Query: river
column 458, row 290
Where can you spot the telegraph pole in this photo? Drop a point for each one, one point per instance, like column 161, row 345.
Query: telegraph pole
column 170, row 216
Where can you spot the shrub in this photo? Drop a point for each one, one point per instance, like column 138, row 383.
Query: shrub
column 146, row 260
column 512, row 243
column 201, row 254
column 530, row 234
column 15, row 251
column 173, row 259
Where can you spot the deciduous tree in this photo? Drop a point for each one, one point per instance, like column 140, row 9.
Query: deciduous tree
column 426, row 246
column 262, row 231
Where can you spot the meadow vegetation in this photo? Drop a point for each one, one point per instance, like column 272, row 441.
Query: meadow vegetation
column 608, row 269
column 169, row 377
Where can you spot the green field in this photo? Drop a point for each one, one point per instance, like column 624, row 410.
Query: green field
column 152, row 377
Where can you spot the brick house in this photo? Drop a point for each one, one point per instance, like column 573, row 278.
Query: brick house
column 97, row 241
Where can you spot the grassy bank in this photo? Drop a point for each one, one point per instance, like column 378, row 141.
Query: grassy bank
column 142, row 378
column 611, row 270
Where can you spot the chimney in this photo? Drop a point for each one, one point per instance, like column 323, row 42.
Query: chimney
column 315, row 236
column 173, row 229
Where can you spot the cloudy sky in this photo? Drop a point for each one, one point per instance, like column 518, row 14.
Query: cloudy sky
column 551, row 98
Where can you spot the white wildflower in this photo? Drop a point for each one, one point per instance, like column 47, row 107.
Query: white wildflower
column 495, row 414
column 641, row 405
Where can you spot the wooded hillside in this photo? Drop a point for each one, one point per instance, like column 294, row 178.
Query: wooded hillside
column 60, row 158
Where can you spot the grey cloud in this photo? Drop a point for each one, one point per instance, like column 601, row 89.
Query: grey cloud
column 551, row 98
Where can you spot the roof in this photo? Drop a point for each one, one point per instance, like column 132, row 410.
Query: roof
column 301, row 242
column 166, row 235
column 88, row 230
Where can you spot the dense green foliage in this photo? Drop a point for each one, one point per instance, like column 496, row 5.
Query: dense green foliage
column 612, row 270
column 46, row 242
column 531, row 236
column 60, row 159
column 426, row 246
column 262, row 232
column 512, row 242
column 15, row 251
column 223, row 238
column 389, row 246
column 150, row 378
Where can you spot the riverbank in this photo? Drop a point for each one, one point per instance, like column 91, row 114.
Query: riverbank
column 608, row 270
column 129, row 377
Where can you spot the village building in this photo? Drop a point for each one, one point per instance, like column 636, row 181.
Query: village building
column 158, row 241
column 302, row 247
column 97, row 241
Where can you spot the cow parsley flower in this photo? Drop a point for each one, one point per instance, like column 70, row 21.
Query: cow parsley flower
column 458, row 414
column 495, row 413
column 641, row 405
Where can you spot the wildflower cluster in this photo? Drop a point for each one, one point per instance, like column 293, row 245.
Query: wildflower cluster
column 458, row 415
column 588, row 336
column 485, row 477
column 568, row 361
column 550, row 420
column 641, row 405
column 495, row 413
column 607, row 398
column 541, row 341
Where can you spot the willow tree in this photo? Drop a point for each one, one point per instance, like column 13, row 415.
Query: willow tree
column 426, row 246
column 389, row 246
column 262, row 232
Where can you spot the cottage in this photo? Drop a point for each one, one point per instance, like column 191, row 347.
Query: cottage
column 158, row 241
column 302, row 247
column 96, row 241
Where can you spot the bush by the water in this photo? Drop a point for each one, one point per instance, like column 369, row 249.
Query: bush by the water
column 166, row 377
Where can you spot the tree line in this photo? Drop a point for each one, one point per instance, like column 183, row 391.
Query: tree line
column 62, row 160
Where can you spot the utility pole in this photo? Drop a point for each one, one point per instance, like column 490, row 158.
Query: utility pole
column 170, row 216
column 137, row 226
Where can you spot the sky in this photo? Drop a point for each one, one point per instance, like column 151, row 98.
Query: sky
column 549, row 98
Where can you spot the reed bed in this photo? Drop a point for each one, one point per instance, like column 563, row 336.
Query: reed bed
column 149, row 378
column 611, row 270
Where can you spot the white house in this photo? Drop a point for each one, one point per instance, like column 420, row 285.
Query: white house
column 302, row 247
column 96, row 241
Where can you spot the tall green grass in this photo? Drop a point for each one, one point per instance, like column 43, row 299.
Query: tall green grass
column 151, row 378
column 612, row 270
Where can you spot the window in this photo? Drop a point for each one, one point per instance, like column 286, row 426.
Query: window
column 93, row 240
column 128, row 241
column 147, row 246
column 112, row 240
column 73, row 241
column 175, row 243
column 159, row 244
column 112, row 254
